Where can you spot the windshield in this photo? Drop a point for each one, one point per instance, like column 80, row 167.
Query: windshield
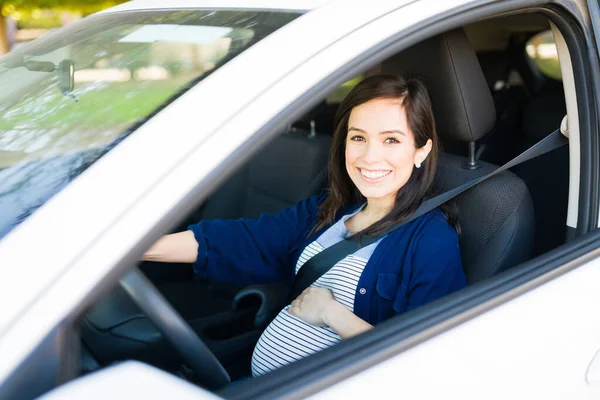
column 68, row 98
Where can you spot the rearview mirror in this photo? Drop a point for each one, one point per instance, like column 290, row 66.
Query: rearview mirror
column 66, row 76
column 65, row 73
column 40, row 66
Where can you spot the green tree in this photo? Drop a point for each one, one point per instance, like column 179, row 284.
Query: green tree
column 11, row 7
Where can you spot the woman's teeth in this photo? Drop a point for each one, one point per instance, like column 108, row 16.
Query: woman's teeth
column 373, row 174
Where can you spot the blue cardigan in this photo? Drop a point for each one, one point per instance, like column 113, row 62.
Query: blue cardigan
column 413, row 265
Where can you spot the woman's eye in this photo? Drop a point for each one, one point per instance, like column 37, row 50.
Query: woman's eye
column 391, row 140
column 357, row 138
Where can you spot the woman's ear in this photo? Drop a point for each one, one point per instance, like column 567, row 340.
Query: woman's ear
column 423, row 152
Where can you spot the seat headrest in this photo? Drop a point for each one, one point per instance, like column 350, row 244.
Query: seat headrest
column 462, row 103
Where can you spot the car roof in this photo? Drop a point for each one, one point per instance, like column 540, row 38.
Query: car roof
column 288, row 5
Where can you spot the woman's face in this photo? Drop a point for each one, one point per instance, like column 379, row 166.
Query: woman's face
column 380, row 149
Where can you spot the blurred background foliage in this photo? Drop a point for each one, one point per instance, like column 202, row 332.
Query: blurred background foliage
column 31, row 8
column 25, row 20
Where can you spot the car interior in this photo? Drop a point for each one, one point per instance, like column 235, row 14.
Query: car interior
column 491, row 102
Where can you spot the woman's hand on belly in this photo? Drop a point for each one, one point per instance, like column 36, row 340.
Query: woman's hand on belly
column 317, row 306
column 312, row 305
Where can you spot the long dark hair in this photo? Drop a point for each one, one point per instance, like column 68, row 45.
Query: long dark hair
column 414, row 97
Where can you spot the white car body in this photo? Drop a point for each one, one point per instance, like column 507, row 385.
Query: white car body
column 536, row 341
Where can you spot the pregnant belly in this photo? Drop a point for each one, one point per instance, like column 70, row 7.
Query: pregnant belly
column 288, row 339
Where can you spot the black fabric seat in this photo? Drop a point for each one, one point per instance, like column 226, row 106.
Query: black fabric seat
column 289, row 169
column 496, row 217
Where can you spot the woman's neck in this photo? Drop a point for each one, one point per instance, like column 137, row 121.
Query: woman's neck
column 375, row 210
column 378, row 208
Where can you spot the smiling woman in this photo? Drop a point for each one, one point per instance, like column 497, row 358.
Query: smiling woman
column 384, row 129
column 378, row 154
column 390, row 129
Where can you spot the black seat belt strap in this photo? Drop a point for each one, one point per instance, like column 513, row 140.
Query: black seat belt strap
column 322, row 262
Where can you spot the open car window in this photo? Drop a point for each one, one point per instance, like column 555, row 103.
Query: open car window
column 541, row 50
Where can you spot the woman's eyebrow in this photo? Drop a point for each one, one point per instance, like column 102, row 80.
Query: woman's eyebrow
column 398, row 131
column 356, row 129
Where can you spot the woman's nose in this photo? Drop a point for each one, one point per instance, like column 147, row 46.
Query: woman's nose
column 372, row 153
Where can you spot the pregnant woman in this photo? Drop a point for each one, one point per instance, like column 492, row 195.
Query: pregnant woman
column 382, row 166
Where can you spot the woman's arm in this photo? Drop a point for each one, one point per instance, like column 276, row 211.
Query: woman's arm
column 344, row 321
column 177, row 248
column 248, row 251
column 317, row 306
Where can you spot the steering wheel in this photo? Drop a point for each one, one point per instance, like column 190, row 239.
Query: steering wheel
column 175, row 330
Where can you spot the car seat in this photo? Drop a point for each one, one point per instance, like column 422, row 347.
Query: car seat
column 496, row 216
column 290, row 168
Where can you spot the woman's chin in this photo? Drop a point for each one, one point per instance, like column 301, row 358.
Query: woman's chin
column 373, row 193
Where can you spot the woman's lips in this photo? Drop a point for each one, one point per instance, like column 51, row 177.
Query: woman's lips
column 373, row 176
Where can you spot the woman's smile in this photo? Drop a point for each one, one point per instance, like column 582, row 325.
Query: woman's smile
column 373, row 176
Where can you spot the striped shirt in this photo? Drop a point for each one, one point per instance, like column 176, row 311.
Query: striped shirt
column 288, row 338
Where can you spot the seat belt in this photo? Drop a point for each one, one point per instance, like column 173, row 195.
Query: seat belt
column 325, row 260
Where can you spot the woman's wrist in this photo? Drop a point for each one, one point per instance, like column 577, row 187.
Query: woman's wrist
column 177, row 247
column 343, row 321
column 331, row 311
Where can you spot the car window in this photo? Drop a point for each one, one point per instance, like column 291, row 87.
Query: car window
column 73, row 95
column 338, row 94
column 541, row 49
